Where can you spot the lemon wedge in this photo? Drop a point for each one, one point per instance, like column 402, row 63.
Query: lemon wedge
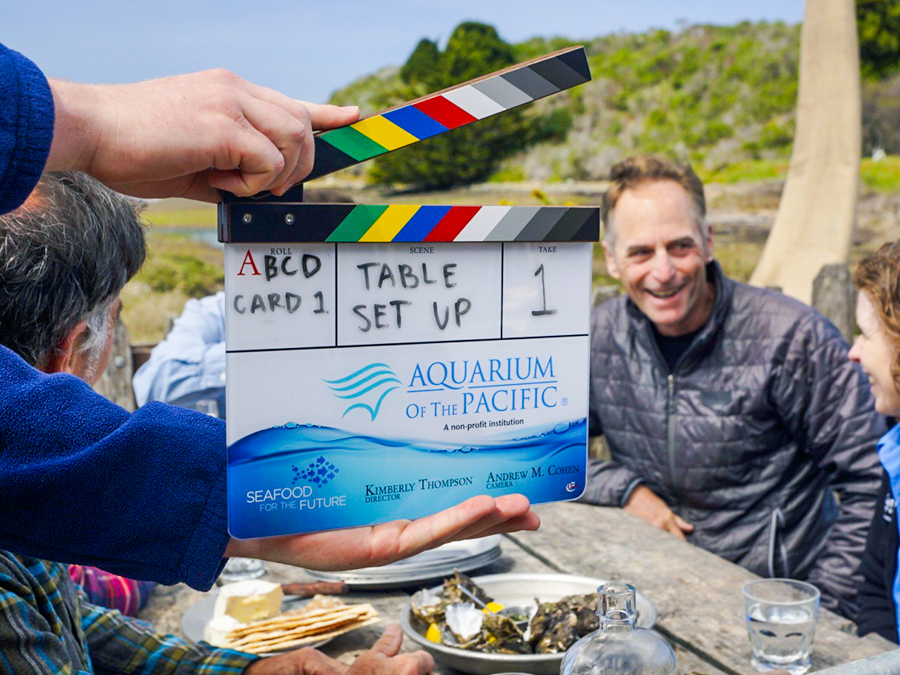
column 433, row 634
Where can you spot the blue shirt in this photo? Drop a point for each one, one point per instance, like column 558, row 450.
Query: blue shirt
column 889, row 453
column 189, row 365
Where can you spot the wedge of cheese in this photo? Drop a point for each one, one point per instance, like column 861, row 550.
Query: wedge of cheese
column 247, row 601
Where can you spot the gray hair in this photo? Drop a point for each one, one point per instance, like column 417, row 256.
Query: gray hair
column 65, row 255
column 96, row 336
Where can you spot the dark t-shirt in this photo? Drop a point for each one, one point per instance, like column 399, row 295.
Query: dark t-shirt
column 672, row 348
column 877, row 612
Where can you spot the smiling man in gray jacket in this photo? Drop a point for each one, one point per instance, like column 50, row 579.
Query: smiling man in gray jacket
column 732, row 414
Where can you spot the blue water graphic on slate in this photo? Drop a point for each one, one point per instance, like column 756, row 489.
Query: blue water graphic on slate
column 304, row 478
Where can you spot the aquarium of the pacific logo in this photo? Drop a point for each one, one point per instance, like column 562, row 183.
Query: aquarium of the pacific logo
column 365, row 389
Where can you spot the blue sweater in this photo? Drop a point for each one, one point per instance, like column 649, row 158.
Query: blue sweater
column 82, row 480
column 26, row 127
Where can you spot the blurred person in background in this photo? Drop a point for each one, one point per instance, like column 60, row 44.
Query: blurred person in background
column 187, row 369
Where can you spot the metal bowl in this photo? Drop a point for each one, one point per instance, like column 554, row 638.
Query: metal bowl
column 517, row 589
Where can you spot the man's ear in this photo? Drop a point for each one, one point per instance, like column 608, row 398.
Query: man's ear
column 62, row 359
column 710, row 246
column 612, row 266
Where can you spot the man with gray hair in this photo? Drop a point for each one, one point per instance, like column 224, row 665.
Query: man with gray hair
column 731, row 413
column 64, row 257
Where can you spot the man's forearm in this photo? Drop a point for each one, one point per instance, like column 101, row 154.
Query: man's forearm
column 75, row 136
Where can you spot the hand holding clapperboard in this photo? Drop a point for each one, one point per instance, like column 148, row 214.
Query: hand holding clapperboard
column 389, row 362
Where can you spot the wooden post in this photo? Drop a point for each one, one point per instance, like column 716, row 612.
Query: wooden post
column 835, row 297
column 115, row 383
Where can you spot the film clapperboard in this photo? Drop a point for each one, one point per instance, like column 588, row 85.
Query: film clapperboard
column 390, row 361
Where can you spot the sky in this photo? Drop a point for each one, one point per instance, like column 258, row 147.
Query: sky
column 309, row 49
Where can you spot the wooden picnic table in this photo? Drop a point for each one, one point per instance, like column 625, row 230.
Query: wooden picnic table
column 698, row 594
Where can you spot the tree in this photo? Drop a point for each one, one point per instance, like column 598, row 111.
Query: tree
column 422, row 65
column 878, row 25
column 473, row 50
column 470, row 153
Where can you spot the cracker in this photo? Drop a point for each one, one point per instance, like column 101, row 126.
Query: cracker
column 262, row 636
column 289, row 642
column 293, row 632
column 294, row 620
column 324, row 623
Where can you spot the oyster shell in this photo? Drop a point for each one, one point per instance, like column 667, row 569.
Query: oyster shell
column 503, row 636
column 452, row 594
column 558, row 625
column 427, row 608
column 464, row 622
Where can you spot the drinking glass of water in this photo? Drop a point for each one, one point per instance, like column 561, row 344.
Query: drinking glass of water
column 781, row 619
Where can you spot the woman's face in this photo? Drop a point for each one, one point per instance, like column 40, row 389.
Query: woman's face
column 875, row 353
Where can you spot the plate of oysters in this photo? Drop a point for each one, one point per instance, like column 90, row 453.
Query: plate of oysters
column 504, row 623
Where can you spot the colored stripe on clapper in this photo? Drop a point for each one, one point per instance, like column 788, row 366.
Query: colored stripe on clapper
column 453, row 223
column 422, row 223
column 390, row 223
column 339, row 148
column 337, row 223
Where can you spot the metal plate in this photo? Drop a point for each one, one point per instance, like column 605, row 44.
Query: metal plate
column 518, row 589
column 195, row 617
column 437, row 563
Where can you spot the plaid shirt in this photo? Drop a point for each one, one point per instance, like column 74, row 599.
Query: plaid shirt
column 45, row 627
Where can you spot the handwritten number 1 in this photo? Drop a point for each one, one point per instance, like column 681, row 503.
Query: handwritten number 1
column 544, row 311
column 321, row 310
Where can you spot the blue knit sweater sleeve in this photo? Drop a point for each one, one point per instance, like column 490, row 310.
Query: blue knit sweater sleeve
column 83, row 481
column 26, row 127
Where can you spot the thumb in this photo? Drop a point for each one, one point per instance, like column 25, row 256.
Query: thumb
column 390, row 641
column 683, row 524
column 673, row 528
column 331, row 116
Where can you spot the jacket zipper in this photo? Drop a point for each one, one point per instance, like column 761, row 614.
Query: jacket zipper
column 670, row 428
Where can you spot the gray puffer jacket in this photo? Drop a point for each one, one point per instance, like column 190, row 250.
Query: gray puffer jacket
column 762, row 421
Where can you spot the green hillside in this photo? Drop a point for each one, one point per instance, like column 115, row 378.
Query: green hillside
column 712, row 95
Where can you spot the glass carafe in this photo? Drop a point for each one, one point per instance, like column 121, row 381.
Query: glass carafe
column 618, row 648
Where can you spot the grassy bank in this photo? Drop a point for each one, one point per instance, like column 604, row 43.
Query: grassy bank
column 882, row 175
column 176, row 269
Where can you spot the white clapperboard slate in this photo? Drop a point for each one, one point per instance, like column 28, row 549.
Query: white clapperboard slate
column 389, row 362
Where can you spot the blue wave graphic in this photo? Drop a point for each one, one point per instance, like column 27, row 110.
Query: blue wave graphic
column 358, row 372
column 358, row 385
column 380, row 479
